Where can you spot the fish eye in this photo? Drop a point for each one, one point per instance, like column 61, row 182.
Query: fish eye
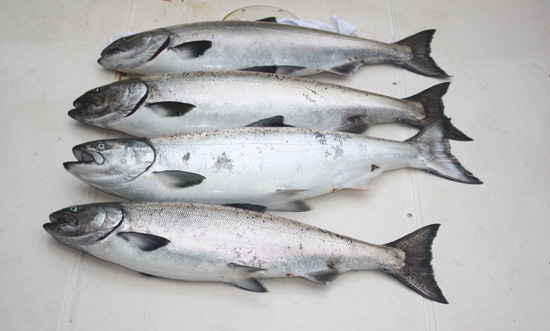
column 74, row 209
column 100, row 146
column 95, row 90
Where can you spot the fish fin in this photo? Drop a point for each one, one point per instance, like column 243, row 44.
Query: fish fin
column 418, row 272
column 367, row 181
column 248, row 206
column 170, row 108
column 192, row 49
column 436, row 150
column 144, row 241
column 356, row 124
column 149, row 275
column 322, row 277
column 268, row 20
column 421, row 63
column 275, row 69
column 179, row 179
column 431, row 100
column 275, row 121
column 242, row 279
column 295, row 206
column 346, row 69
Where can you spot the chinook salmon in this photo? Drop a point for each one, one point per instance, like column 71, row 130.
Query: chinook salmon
column 262, row 46
column 273, row 168
column 194, row 242
column 201, row 101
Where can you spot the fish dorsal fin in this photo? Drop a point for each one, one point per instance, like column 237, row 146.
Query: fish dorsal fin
column 248, row 206
column 243, row 280
column 144, row 241
column 345, row 69
column 274, row 122
column 367, row 181
column 192, row 49
column 322, row 277
column 275, row 69
column 268, row 20
column 179, row 179
column 170, row 108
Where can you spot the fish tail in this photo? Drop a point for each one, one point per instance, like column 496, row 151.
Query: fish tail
column 432, row 102
column 418, row 273
column 434, row 147
column 421, row 63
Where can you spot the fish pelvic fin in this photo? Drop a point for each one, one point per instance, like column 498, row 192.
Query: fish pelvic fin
column 435, row 150
column 432, row 102
column 243, row 277
column 418, row 273
column 421, row 63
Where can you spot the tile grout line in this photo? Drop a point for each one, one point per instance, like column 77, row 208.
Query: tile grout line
column 73, row 297
column 411, row 189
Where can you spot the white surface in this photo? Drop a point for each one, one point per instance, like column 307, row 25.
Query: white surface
column 492, row 254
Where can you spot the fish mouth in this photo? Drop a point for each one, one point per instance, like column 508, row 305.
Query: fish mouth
column 58, row 221
column 85, row 157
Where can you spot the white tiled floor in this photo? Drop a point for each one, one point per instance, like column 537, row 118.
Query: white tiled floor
column 492, row 254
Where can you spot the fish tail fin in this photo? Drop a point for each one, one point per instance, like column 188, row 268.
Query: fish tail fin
column 421, row 63
column 418, row 273
column 434, row 147
column 432, row 102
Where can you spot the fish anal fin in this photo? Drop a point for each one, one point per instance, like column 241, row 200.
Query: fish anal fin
column 192, row 49
column 179, row 179
column 346, row 69
column 296, row 205
column 144, row 241
column 275, row 121
column 243, row 280
column 271, row 19
column 170, row 108
column 322, row 277
column 355, row 124
column 367, row 181
column 248, row 206
column 275, row 69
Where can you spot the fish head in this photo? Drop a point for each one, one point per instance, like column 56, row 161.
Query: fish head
column 110, row 103
column 80, row 226
column 111, row 163
column 128, row 53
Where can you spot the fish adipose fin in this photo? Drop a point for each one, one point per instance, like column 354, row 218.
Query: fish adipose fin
column 179, row 179
column 436, row 152
column 144, row 241
column 421, row 63
column 432, row 102
column 418, row 272
column 268, row 20
column 243, row 280
column 192, row 49
column 275, row 69
column 170, row 108
column 273, row 122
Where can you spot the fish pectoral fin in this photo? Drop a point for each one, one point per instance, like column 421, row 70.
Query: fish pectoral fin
column 170, row 108
column 322, row 277
column 179, row 179
column 275, row 69
column 346, row 69
column 268, row 20
column 273, row 122
column 248, row 206
column 192, row 49
column 367, row 181
column 144, row 241
column 243, row 280
column 355, row 124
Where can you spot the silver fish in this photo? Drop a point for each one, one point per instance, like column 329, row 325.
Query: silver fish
column 274, row 168
column 194, row 242
column 261, row 46
column 200, row 101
